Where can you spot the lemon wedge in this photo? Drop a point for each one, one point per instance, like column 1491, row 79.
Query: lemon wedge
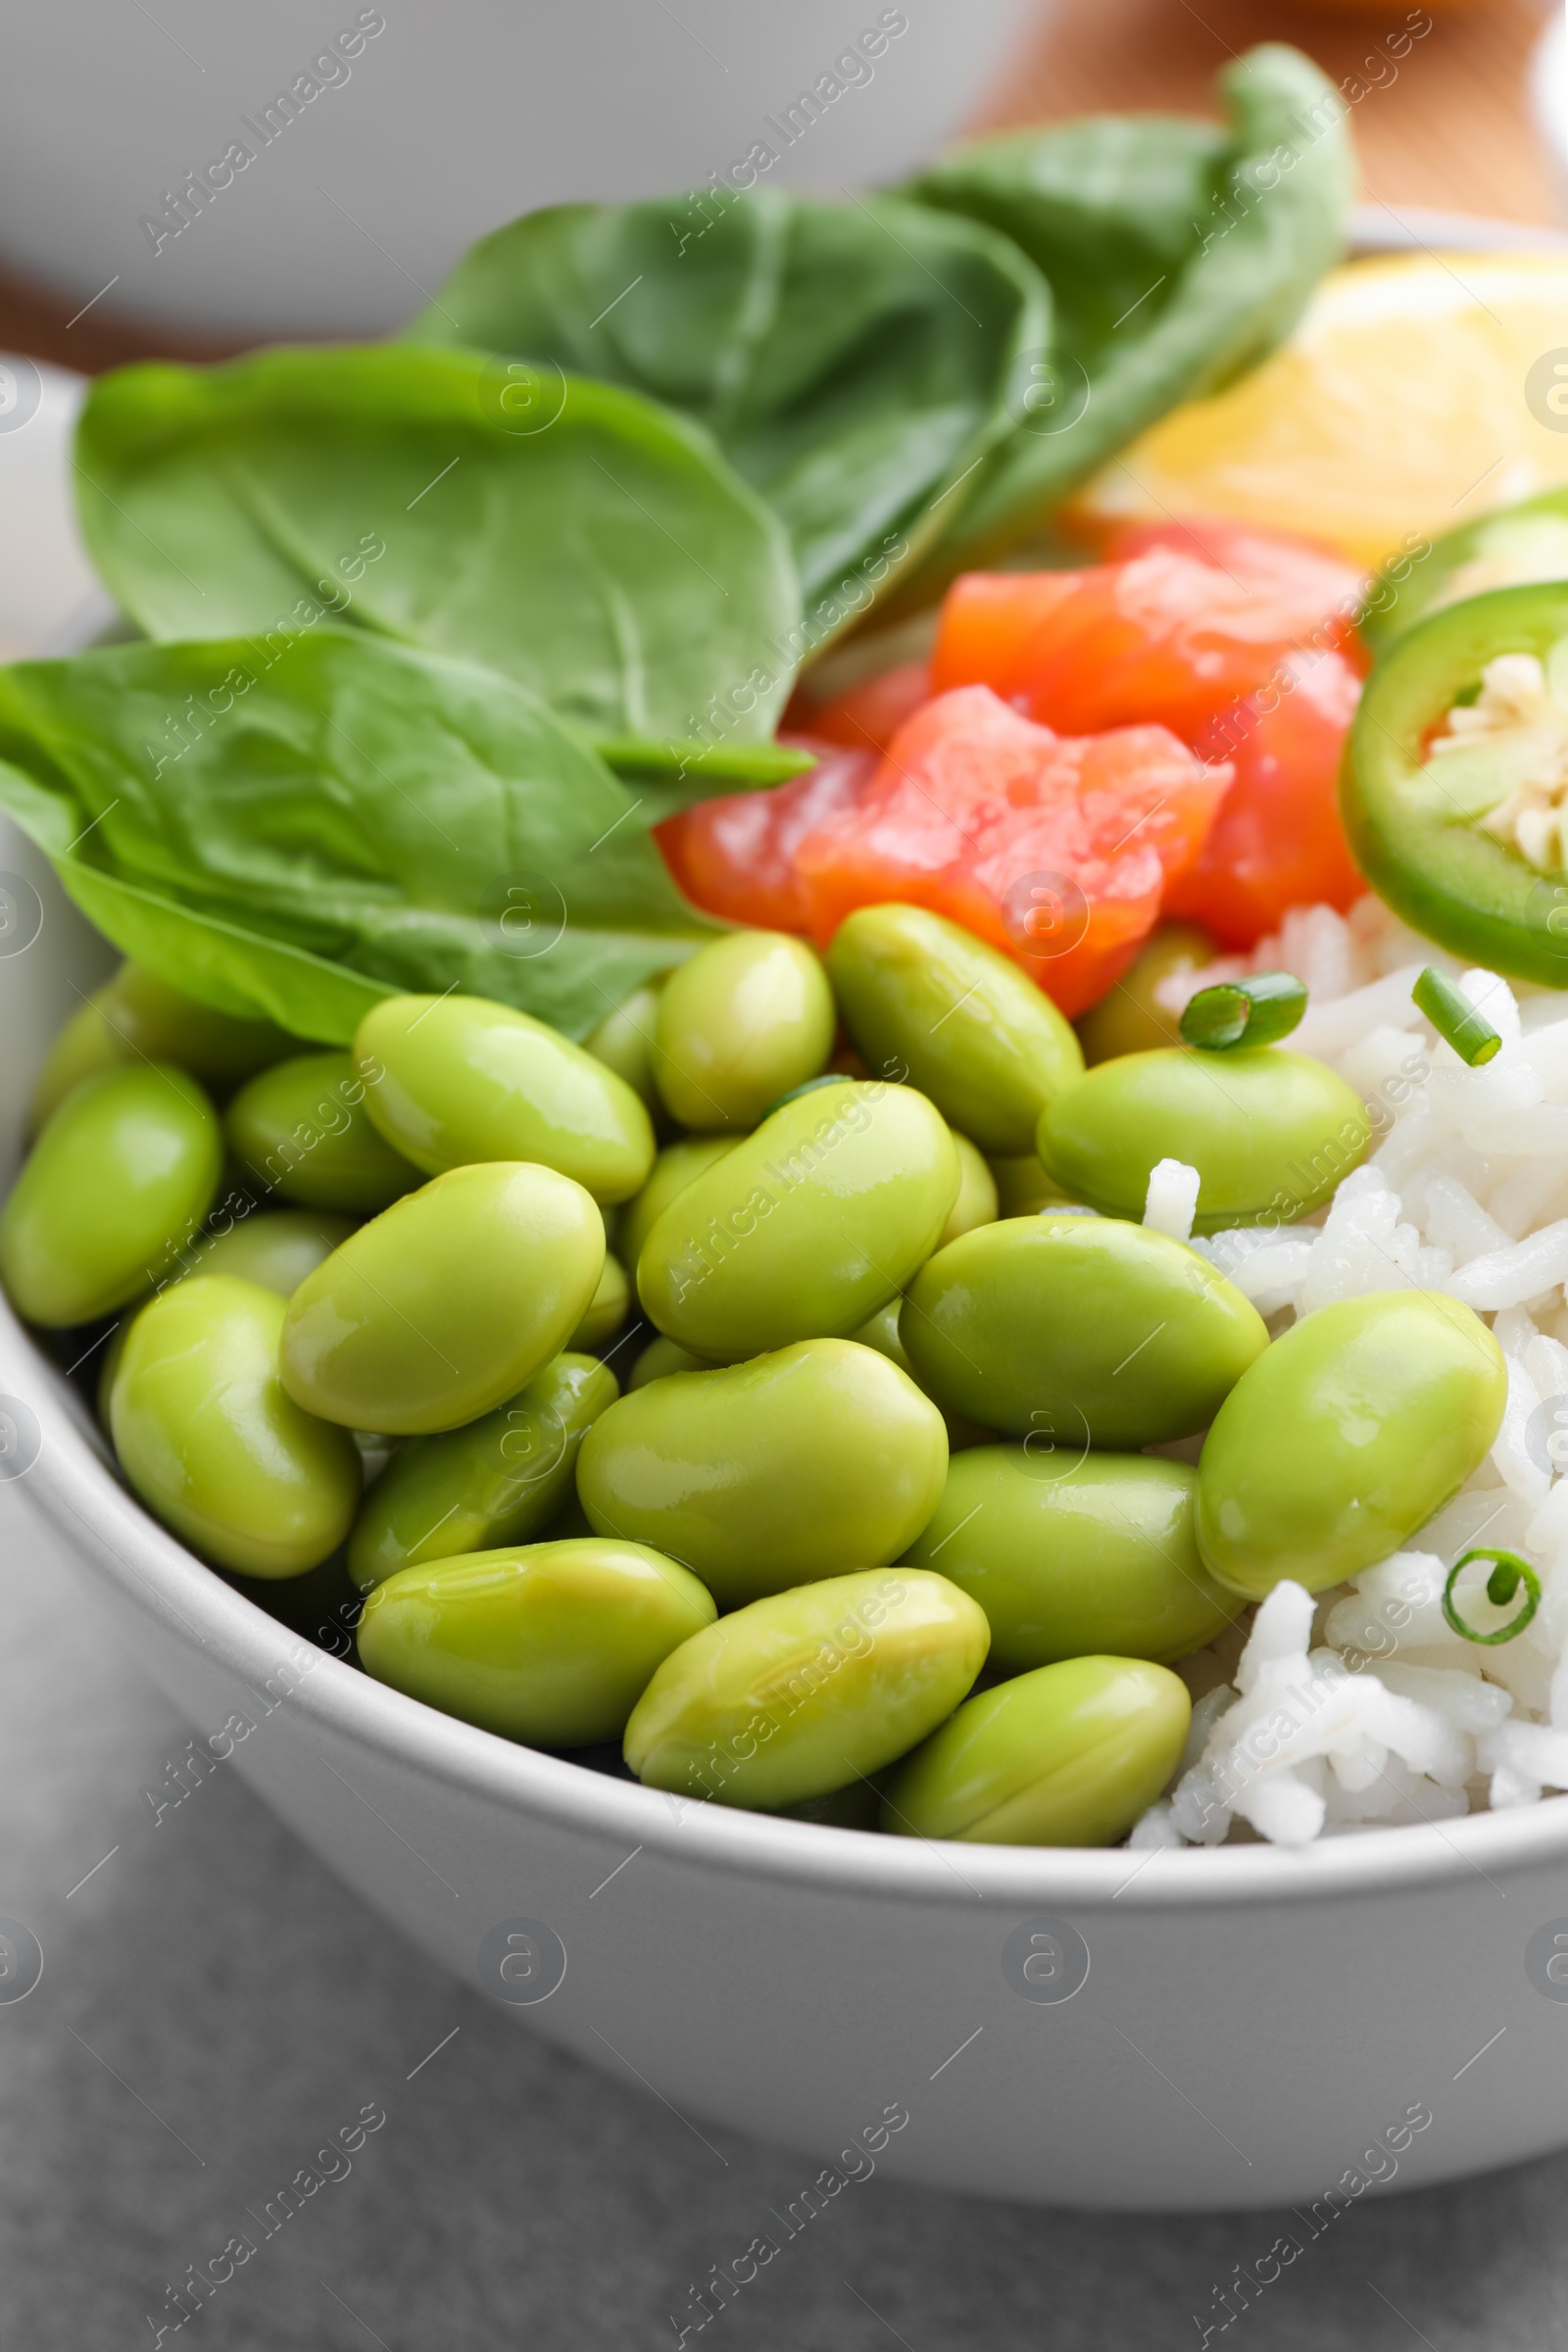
column 1415, row 395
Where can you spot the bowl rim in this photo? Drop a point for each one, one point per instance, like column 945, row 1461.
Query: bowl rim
column 73, row 1483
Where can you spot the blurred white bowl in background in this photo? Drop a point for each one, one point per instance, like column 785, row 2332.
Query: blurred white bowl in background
column 387, row 151
column 50, row 597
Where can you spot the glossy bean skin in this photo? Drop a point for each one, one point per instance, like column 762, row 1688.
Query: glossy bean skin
column 301, row 1129
column 275, row 1248
column 925, row 999
column 1096, row 1557
column 1023, row 1189
column 213, row 1444
column 750, row 1016
column 624, row 1043
column 548, row 1643
column 606, row 1309
column 677, row 1165
column 881, row 1332
column 1130, row 1018
column 137, row 1017
column 799, row 1694
column 152, row 1019
column 977, row 1202
column 447, row 1303
column 807, row 1227
column 1271, row 1133
column 796, row 1466
column 659, row 1359
column 456, row 1080
column 116, row 1187
column 84, row 1048
column 497, row 1482
column 1070, row 1754
column 1344, row 1438
column 1071, row 1330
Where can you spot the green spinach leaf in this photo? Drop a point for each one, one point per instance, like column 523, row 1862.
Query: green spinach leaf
column 856, row 362
column 297, row 832
column 1178, row 255
column 599, row 551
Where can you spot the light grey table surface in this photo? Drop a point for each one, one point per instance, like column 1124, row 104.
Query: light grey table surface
column 214, row 2007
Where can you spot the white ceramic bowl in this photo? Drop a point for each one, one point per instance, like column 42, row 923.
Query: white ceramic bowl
column 372, row 161
column 1251, row 2022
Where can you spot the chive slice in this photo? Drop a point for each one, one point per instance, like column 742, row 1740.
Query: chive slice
column 1508, row 1572
column 1257, row 1011
column 1455, row 1018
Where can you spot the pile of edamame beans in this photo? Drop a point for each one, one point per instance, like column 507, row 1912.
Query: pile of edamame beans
column 874, row 1535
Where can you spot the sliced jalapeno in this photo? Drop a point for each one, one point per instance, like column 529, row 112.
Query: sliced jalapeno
column 1509, row 547
column 1454, row 789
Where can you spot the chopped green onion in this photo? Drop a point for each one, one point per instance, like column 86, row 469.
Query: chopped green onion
column 1508, row 1573
column 1257, row 1011
column 1455, row 1018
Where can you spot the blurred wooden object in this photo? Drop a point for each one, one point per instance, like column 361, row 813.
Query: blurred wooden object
column 35, row 320
column 1453, row 131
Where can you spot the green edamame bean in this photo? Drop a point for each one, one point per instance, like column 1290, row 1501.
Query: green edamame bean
column 1072, row 1330
column 807, row 1227
column 301, row 1129
column 659, row 1359
column 1129, row 1017
column 750, row 1016
column 456, row 1080
column 677, row 1165
column 85, row 1046
column 115, row 1186
column 138, row 1017
column 977, row 1202
column 1023, row 1189
column 1344, row 1438
column 800, row 1694
column 548, row 1643
column 798, row 1465
column 1076, row 1558
column 606, row 1310
column 1270, row 1133
column 499, row 1480
column 882, row 1334
column 447, row 1303
column 923, row 998
column 624, row 1043
column 828, row 1077
column 1068, row 1755
column 212, row 1444
column 150, row 1017
column 274, row 1247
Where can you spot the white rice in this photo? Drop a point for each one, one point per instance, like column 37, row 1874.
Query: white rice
column 1171, row 1202
column 1362, row 1707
